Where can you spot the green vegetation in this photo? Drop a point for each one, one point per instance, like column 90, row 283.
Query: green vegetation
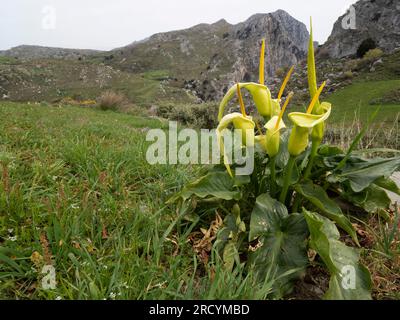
column 75, row 190
column 355, row 100
column 8, row 60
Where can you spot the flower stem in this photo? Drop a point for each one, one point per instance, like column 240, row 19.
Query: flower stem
column 273, row 174
column 288, row 179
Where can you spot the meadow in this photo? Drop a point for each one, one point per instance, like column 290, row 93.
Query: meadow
column 77, row 193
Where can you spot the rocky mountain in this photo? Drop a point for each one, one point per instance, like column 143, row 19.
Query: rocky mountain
column 368, row 21
column 208, row 58
column 26, row 52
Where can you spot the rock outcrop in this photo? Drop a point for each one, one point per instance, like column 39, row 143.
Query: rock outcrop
column 376, row 20
column 208, row 58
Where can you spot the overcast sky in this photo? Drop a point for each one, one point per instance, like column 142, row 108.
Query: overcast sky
column 107, row 24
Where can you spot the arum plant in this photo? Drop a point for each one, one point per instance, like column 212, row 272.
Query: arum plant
column 264, row 227
column 299, row 138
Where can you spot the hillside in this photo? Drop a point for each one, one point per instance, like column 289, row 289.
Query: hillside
column 52, row 80
column 198, row 64
column 208, row 58
column 26, row 52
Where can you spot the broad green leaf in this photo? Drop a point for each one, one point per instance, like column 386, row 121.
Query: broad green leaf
column 362, row 174
column 388, row 184
column 350, row 280
column 214, row 184
column 267, row 214
column 318, row 197
column 371, row 199
column 282, row 242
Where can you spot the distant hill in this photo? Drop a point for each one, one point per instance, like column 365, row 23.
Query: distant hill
column 37, row 52
column 208, row 58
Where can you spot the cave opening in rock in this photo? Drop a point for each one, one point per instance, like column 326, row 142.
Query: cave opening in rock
column 365, row 46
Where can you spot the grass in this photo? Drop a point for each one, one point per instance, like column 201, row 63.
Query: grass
column 76, row 192
column 356, row 98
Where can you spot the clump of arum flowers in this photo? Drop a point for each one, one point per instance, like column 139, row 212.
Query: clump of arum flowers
column 267, row 107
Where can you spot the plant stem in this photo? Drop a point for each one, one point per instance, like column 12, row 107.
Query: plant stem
column 288, row 179
column 296, row 204
column 314, row 151
column 313, row 154
column 273, row 174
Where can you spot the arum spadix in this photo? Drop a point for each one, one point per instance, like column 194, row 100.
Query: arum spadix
column 318, row 131
column 239, row 121
column 260, row 93
column 304, row 122
column 276, row 103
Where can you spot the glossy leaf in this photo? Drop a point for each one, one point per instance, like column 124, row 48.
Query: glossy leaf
column 371, row 199
column 350, row 280
column 282, row 241
column 318, row 197
column 361, row 174
column 214, row 184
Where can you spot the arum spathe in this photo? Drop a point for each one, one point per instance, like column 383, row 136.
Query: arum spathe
column 239, row 121
column 304, row 122
column 271, row 141
column 260, row 93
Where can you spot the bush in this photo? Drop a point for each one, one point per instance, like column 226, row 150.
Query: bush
column 351, row 65
column 111, row 100
column 196, row 115
column 373, row 54
column 347, row 75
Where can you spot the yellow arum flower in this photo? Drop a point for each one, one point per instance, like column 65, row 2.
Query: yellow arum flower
column 246, row 124
column 239, row 121
column 260, row 94
column 271, row 141
column 304, row 122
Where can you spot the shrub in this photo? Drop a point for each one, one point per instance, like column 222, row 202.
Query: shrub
column 196, row 115
column 373, row 54
column 111, row 100
column 351, row 65
column 348, row 75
